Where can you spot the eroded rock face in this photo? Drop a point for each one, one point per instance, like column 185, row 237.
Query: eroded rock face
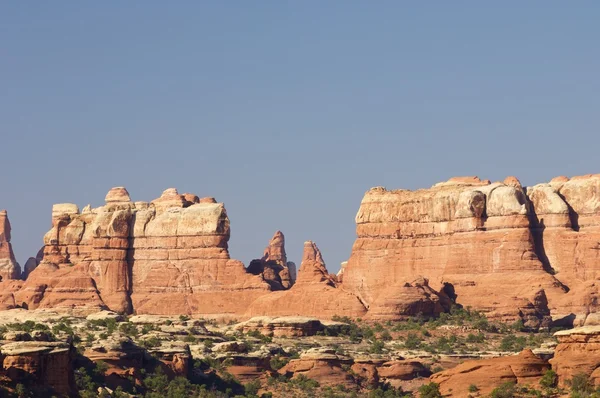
column 282, row 326
column 487, row 374
column 273, row 266
column 578, row 351
column 322, row 365
column 314, row 293
column 168, row 256
column 9, row 268
column 48, row 364
column 566, row 226
column 494, row 244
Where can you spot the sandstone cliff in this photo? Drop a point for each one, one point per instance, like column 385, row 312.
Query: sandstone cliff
column 501, row 248
column 168, row 256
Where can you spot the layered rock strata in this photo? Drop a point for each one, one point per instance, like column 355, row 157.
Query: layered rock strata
column 40, row 363
column 168, row 256
column 578, row 351
column 524, row 369
column 497, row 247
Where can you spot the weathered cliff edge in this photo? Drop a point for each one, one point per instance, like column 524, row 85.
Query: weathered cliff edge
column 498, row 247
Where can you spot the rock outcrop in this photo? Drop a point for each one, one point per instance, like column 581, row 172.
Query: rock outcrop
column 168, row 256
column 9, row 268
column 314, row 293
column 487, row 374
column 273, row 266
column 510, row 251
column 322, row 365
column 578, row 351
column 40, row 363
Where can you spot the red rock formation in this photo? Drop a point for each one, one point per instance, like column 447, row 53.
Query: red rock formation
column 465, row 232
column 315, row 293
column 9, row 268
column 322, row 365
column 487, row 374
column 47, row 364
column 578, row 351
column 273, row 266
column 165, row 257
column 566, row 225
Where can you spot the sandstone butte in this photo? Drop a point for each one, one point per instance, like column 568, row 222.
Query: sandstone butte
column 514, row 252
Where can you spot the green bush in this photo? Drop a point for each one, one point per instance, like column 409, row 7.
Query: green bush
column 431, row 390
column 412, row 341
column 277, row 362
column 513, row 343
column 580, row 383
column 473, row 388
column 505, row 390
column 377, row 347
column 128, row 329
column 549, row 379
column 252, row 387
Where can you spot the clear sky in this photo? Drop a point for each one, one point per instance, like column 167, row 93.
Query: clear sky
column 288, row 111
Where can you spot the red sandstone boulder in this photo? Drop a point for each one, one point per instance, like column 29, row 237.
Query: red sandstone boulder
column 46, row 364
column 487, row 374
column 578, row 351
column 322, row 365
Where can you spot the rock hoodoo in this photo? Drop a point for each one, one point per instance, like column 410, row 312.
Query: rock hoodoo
column 273, row 266
column 9, row 268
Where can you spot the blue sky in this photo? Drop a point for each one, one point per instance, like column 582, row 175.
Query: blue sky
column 288, row 111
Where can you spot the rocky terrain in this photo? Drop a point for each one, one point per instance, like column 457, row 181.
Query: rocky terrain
column 468, row 288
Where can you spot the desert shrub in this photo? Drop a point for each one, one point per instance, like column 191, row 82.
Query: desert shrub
column 277, row 362
column 476, row 338
column 580, row 384
column 513, row 343
column 150, row 342
column 473, row 388
column 129, row 329
column 258, row 335
column 549, row 379
column 385, row 336
column 252, row 387
column 304, row 383
column 189, row 338
column 430, row 390
column 505, row 390
column 63, row 327
column 377, row 347
column 412, row 341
